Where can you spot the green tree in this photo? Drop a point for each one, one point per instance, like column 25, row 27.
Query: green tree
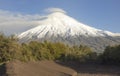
column 111, row 55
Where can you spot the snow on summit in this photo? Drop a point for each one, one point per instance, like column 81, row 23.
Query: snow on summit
column 58, row 23
column 57, row 26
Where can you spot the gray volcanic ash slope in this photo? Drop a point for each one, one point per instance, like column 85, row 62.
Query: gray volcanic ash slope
column 60, row 27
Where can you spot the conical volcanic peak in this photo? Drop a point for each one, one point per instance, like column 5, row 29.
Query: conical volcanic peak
column 59, row 23
column 59, row 27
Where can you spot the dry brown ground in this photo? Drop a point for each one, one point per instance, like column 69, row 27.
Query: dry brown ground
column 51, row 68
column 41, row 68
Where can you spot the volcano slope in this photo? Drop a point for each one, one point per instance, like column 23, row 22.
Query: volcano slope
column 59, row 27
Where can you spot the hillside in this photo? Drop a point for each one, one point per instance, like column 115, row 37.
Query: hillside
column 42, row 68
column 59, row 27
column 51, row 68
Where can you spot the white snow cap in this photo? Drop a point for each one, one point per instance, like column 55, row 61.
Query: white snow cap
column 53, row 10
column 59, row 24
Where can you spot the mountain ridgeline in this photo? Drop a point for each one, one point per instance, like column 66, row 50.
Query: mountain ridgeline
column 58, row 27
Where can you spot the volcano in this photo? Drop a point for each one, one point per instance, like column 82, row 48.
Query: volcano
column 59, row 27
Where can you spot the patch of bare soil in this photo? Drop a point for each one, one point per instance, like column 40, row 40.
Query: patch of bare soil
column 41, row 68
column 51, row 68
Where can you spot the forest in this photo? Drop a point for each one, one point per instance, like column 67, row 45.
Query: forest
column 12, row 49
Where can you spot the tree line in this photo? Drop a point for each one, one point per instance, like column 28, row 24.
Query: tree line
column 11, row 49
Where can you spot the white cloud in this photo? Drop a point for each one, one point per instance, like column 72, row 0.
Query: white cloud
column 14, row 22
column 11, row 23
column 52, row 10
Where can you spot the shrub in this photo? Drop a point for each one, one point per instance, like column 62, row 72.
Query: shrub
column 11, row 49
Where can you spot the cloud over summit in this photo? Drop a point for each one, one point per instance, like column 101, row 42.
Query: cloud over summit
column 53, row 10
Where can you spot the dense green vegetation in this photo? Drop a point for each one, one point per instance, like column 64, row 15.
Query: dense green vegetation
column 111, row 55
column 11, row 49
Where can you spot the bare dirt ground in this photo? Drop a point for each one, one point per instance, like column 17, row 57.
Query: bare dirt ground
column 41, row 68
column 51, row 68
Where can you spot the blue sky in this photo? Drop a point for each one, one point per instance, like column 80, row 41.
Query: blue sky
column 101, row 14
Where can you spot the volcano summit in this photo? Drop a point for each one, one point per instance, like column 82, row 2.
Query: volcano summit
column 59, row 27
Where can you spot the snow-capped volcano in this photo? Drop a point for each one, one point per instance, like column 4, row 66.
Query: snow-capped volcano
column 59, row 26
